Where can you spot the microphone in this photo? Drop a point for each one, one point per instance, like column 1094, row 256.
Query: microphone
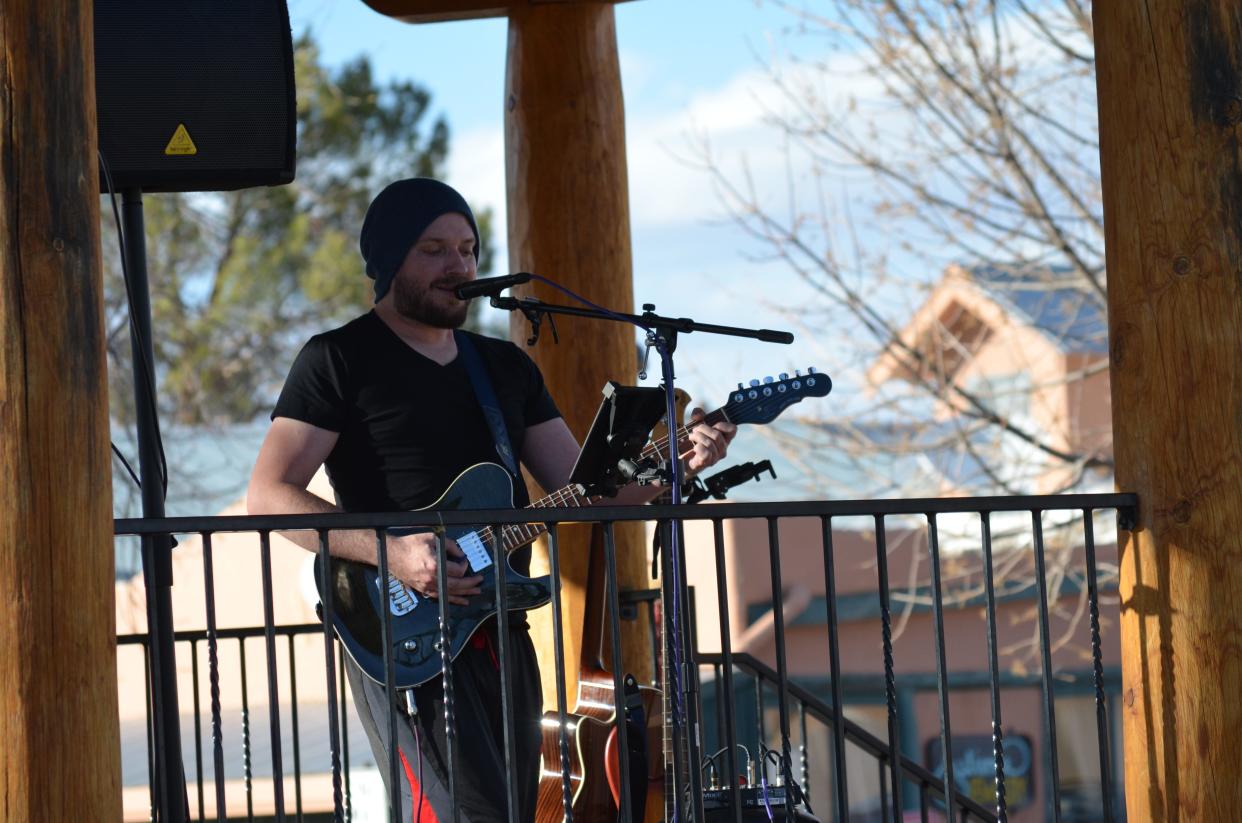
column 490, row 286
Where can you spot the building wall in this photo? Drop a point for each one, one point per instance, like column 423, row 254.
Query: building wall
column 860, row 634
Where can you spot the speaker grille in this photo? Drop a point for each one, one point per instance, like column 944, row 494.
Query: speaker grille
column 223, row 69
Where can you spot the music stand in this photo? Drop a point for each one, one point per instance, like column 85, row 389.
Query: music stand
column 622, row 425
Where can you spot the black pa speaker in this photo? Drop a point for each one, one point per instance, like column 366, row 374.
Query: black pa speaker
column 194, row 95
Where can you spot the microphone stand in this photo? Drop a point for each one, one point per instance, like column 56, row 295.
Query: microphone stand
column 662, row 336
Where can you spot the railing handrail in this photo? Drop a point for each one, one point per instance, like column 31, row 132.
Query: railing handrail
column 1121, row 501
column 239, row 633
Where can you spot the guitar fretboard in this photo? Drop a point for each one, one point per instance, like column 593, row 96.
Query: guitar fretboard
column 519, row 534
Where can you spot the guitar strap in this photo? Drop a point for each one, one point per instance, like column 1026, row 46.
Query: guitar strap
column 486, row 396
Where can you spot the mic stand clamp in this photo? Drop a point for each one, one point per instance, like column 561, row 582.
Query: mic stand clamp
column 643, row 472
column 532, row 309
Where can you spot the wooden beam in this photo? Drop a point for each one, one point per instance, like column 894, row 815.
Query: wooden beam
column 440, row 11
column 58, row 699
column 569, row 221
column 1170, row 97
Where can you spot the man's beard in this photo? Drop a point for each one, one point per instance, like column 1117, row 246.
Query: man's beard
column 430, row 305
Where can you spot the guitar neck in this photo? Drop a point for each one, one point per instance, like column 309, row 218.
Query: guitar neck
column 519, row 534
column 516, row 535
column 656, row 448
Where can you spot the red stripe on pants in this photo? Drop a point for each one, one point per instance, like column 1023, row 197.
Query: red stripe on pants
column 423, row 811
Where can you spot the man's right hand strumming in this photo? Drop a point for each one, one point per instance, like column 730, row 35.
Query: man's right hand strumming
column 412, row 558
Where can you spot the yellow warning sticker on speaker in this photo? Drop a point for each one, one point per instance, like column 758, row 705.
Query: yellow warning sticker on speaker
column 181, row 142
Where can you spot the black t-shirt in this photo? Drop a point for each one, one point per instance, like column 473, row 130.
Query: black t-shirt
column 408, row 426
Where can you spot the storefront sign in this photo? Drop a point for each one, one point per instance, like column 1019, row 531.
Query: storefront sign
column 974, row 771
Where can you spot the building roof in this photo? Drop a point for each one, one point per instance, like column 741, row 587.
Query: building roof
column 1047, row 298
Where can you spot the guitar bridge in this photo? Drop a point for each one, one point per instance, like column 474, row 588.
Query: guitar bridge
column 401, row 598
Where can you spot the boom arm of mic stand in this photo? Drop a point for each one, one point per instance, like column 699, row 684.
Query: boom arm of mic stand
column 537, row 308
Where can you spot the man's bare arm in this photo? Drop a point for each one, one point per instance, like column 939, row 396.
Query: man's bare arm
column 290, row 455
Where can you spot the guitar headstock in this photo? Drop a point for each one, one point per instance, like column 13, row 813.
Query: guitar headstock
column 763, row 400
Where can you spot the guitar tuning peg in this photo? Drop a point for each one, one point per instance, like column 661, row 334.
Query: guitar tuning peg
column 810, row 370
column 754, row 383
column 797, row 372
column 784, row 376
column 767, row 379
column 740, row 386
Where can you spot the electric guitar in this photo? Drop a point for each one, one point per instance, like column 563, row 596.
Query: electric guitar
column 360, row 596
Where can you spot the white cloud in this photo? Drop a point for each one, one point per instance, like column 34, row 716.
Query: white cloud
column 476, row 168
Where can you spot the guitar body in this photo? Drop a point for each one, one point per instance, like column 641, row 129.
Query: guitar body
column 359, row 597
column 594, row 767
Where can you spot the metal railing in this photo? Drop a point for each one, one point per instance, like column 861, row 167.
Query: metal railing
column 897, row 772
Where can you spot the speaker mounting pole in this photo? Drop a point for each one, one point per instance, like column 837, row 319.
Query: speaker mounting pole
column 171, row 801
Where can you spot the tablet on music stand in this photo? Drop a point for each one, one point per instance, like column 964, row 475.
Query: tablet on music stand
column 621, row 428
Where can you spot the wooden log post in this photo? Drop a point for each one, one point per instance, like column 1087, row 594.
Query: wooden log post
column 1170, row 98
column 569, row 221
column 58, row 701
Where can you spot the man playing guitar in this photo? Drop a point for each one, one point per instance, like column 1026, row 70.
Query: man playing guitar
column 387, row 405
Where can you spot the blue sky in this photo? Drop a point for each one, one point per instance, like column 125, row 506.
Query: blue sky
column 689, row 67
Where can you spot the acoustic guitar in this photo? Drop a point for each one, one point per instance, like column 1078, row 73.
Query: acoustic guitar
column 590, row 726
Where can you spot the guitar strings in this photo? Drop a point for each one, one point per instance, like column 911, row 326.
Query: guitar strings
column 516, row 535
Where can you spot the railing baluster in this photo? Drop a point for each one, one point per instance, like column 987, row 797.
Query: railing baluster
column 890, row 680
column 1045, row 648
column 884, row 791
column 687, row 670
column 501, row 566
column 782, row 666
column 213, row 675
column 724, row 699
column 329, row 657
column 390, row 682
column 761, row 722
column 446, row 673
column 293, row 722
column 1097, row 668
column 839, row 787
column 998, row 735
column 198, row 730
column 273, row 688
column 150, row 709
column 804, row 764
column 558, row 644
column 618, row 684
column 942, row 671
column 344, row 715
column 247, row 772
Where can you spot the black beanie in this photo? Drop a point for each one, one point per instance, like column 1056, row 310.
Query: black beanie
column 397, row 217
